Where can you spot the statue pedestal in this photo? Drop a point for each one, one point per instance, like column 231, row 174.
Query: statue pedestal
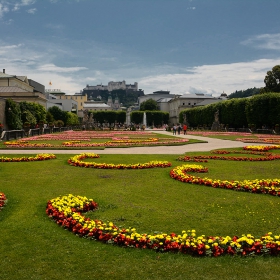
column 215, row 126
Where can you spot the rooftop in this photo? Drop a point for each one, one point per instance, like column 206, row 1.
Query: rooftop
column 12, row 89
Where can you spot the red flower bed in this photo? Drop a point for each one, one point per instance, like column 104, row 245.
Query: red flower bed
column 3, row 200
column 204, row 158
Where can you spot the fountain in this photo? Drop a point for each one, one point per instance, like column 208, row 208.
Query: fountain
column 145, row 119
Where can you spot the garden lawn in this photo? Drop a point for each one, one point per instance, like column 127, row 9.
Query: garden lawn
column 32, row 246
column 226, row 135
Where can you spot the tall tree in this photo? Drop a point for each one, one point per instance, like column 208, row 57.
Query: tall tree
column 272, row 80
column 149, row 105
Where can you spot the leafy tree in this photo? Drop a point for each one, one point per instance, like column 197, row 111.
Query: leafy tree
column 71, row 118
column 49, row 117
column 272, row 80
column 149, row 105
column 36, row 110
column 27, row 116
column 13, row 114
column 56, row 112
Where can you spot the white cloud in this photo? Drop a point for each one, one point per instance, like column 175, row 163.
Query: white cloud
column 44, row 61
column 264, row 41
column 7, row 6
column 54, row 26
column 213, row 79
column 5, row 49
column 3, row 9
column 53, row 68
column 32, row 11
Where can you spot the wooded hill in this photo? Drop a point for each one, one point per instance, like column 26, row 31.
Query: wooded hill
column 126, row 97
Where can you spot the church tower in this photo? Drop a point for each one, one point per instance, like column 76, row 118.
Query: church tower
column 110, row 102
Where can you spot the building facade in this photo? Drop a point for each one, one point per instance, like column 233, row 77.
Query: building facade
column 19, row 88
column 185, row 101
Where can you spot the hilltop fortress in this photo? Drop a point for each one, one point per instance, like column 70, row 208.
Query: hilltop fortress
column 112, row 86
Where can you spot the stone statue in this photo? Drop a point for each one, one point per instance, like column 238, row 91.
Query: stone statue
column 85, row 117
column 216, row 123
column 216, row 116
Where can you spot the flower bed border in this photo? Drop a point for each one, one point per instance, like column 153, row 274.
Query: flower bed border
column 77, row 161
column 38, row 157
column 67, row 211
column 263, row 186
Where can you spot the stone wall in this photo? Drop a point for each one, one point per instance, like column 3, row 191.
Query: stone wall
column 2, row 111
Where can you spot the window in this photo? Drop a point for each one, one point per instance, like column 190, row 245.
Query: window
column 189, row 103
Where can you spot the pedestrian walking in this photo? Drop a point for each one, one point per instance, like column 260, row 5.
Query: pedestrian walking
column 179, row 128
column 185, row 127
column 174, row 129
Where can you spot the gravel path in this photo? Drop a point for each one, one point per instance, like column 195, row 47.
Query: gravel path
column 211, row 144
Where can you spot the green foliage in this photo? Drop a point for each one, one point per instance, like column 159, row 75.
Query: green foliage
column 27, row 116
column 36, row 110
column 49, row 117
column 264, row 109
column 232, row 112
column 153, row 117
column 111, row 116
column 39, row 248
column 56, row 112
column 157, row 118
column 71, row 119
column 149, row 105
column 99, row 116
column 13, row 114
column 59, row 123
column 272, row 80
column 127, row 98
column 121, row 116
column 244, row 93
column 261, row 109
column 137, row 117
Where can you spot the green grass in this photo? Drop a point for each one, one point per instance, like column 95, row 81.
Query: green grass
column 34, row 247
column 58, row 143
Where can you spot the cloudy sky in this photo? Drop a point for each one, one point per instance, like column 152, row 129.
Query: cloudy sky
column 184, row 46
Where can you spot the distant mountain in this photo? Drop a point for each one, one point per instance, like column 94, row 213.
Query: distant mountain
column 244, row 93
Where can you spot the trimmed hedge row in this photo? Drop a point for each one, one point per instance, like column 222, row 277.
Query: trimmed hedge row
column 261, row 109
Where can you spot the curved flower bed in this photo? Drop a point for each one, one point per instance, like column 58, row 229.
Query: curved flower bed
column 67, row 211
column 261, row 148
column 26, row 144
column 86, row 135
column 38, row 157
column 107, row 144
column 78, row 161
column 254, row 151
column 261, row 139
column 264, row 186
column 3, row 200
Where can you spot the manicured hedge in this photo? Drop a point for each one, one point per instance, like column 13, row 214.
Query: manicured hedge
column 260, row 110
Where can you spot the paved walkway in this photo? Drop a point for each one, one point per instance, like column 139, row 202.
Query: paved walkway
column 211, row 144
